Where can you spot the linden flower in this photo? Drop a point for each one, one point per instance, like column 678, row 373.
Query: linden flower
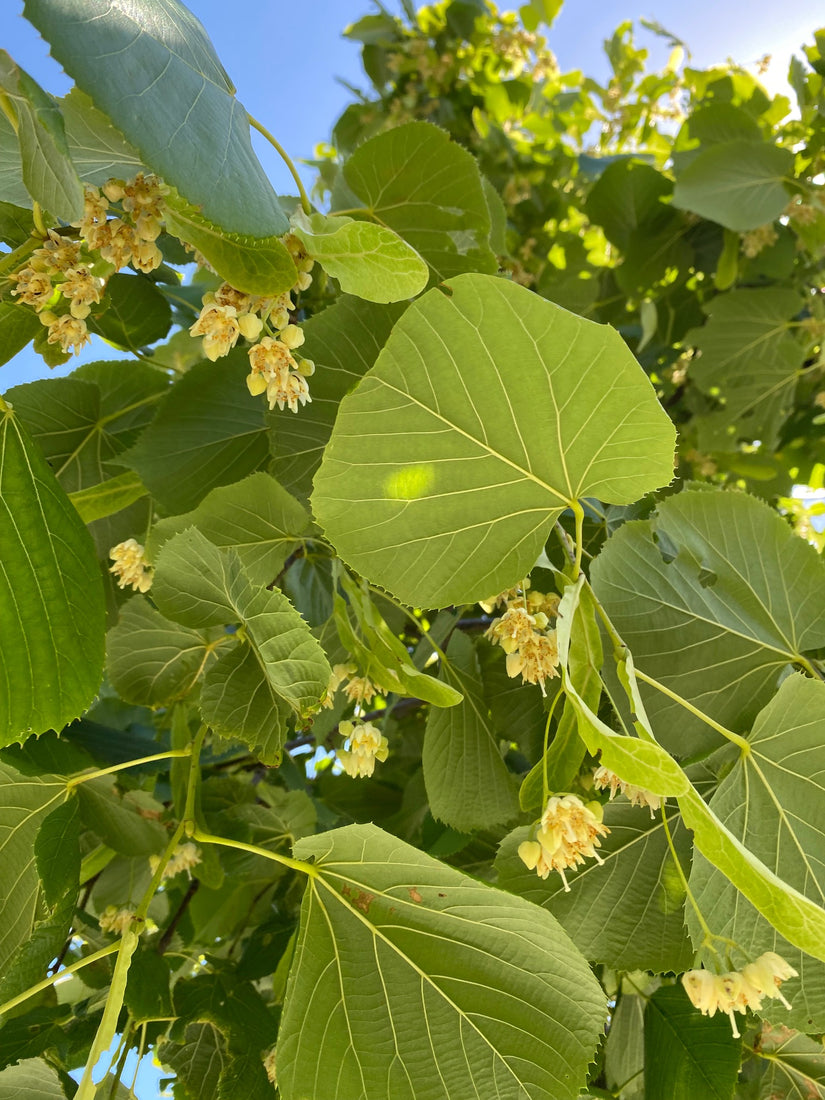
column 115, row 920
column 568, row 833
column 34, row 288
column 130, row 566
column 269, row 1068
column 337, row 677
column 514, row 629
column 183, row 858
column 276, row 373
column 756, row 239
column 70, row 332
column 603, row 779
column 360, row 690
column 537, row 660
column 366, row 745
column 83, row 290
column 56, row 255
column 737, row 991
column 218, row 325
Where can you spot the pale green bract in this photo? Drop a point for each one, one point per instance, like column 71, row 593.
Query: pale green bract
column 476, row 427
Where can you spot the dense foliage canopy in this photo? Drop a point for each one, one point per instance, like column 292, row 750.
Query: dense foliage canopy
column 412, row 657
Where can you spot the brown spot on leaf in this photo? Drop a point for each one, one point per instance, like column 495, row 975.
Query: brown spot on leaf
column 415, row 896
column 363, row 901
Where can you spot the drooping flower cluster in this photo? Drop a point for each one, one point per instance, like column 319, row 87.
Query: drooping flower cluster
column 130, row 566
column 359, row 689
column 131, row 236
column 567, row 834
column 183, row 858
column 756, row 239
column 525, row 634
column 228, row 314
column 115, row 920
column 59, row 270
column 364, row 745
column 69, row 271
column 270, row 1068
column 604, row 779
column 738, row 990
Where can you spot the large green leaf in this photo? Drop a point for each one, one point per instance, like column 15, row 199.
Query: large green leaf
column 476, row 427
column 12, row 188
column 343, row 342
column 47, row 168
column 468, row 784
column 51, row 595
column 209, row 431
column 198, row 1060
column 25, row 801
column 31, row 1079
column 626, row 198
column 428, row 190
column 152, row 661
column 750, row 360
column 109, row 497
column 739, row 184
column 154, row 72
column 84, row 422
column 368, row 260
column 252, row 263
column 627, row 913
column 687, row 1055
column 714, row 596
column 773, row 800
column 413, row 981
column 277, row 674
column 255, row 517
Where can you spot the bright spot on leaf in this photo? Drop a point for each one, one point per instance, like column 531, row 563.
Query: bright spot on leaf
column 411, row 482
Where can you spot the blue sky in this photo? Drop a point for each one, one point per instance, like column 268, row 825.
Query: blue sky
column 284, row 58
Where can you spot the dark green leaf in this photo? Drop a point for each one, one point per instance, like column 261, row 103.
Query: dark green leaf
column 198, row 1061
column 18, row 326
column 126, row 822
column 687, row 1055
column 468, row 784
column 32, row 1079
column 209, row 431
column 135, row 313
column 57, row 852
column 147, row 992
column 15, row 224
column 51, row 596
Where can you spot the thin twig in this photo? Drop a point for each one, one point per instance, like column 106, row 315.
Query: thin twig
column 166, row 938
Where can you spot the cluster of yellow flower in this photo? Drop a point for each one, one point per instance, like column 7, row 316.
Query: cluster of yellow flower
column 130, row 566
column 77, row 269
column 738, row 990
column 567, row 833
column 359, row 689
column 756, row 239
column 604, row 779
column 59, row 269
column 115, row 920
column 364, row 745
column 228, row 314
column 183, row 858
column 525, row 634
